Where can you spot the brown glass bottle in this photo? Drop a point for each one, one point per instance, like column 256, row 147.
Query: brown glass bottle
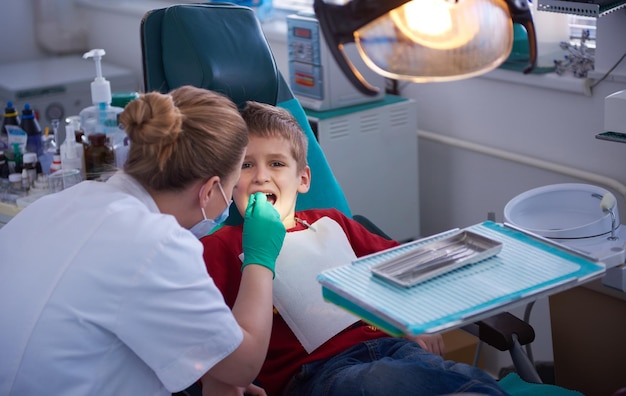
column 99, row 158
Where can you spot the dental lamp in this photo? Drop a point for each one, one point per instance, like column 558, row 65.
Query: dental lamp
column 424, row 40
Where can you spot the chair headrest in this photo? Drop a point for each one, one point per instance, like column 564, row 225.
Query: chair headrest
column 219, row 47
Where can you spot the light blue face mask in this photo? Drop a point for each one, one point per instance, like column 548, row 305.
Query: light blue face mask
column 207, row 225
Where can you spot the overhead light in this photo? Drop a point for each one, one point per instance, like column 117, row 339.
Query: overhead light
column 424, row 40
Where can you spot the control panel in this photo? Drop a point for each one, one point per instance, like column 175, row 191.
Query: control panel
column 314, row 76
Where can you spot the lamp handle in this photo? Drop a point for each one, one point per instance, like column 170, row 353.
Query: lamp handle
column 337, row 30
column 520, row 14
column 353, row 74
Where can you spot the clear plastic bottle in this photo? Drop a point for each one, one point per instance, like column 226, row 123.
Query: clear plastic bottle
column 49, row 149
column 25, row 180
column 30, row 125
column 73, row 123
column 14, row 189
column 15, row 184
column 71, row 152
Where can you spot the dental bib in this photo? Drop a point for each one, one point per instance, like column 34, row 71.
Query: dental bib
column 298, row 295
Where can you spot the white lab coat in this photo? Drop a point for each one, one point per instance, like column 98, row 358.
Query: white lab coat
column 101, row 294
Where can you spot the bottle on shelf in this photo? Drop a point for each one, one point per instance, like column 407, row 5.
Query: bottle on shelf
column 101, row 116
column 15, row 185
column 71, row 151
column 25, row 180
column 30, row 166
column 11, row 117
column 99, row 158
column 49, row 149
column 14, row 158
column 4, row 167
column 73, row 123
column 56, row 163
column 30, row 125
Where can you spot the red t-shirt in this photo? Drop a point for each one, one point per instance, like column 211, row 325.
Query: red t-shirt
column 285, row 355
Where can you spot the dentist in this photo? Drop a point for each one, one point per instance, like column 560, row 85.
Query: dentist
column 103, row 288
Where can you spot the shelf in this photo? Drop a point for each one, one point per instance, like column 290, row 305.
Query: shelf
column 579, row 8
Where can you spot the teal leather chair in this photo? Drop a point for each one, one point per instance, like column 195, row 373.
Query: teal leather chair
column 221, row 46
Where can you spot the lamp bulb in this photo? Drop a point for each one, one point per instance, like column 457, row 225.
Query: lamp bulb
column 437, row 24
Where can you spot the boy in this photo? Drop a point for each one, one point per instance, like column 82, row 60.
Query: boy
column 315, row 347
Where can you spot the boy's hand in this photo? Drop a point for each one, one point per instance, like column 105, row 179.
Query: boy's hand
column 253, row 390
column 211, row 387
column 263, row 233
column 431, row 343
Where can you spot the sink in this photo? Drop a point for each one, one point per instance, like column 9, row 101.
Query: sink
column 561, row 211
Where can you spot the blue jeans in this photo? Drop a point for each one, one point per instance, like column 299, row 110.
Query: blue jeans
column 389, row 366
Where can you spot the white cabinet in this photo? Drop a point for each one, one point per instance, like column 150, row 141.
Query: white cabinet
column 372, row 150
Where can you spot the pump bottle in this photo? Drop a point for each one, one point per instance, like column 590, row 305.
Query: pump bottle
column 101, row 117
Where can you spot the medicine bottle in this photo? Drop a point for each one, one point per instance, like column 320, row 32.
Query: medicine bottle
column 25, row 180
column 56, row 163
column 14, row 159
column 99, row 158
column 15, row 184
column 11, row 117
column 30, row 125
column 81, row 143
column 4, row 167
column 30, row 166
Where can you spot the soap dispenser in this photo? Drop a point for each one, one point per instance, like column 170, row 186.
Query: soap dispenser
column 100, row 117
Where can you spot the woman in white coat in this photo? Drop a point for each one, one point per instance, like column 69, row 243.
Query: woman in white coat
column 103, row 288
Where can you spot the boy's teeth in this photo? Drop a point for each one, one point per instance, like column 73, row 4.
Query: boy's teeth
column 271, row 198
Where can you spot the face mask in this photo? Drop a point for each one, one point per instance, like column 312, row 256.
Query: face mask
column 207, row 225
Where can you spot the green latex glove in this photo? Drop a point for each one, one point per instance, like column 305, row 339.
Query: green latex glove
column 263, row 233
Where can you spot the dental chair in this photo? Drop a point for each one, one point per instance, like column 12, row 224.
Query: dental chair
column 221, row 46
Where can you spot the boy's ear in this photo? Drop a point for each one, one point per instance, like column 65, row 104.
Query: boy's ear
column 305, row 180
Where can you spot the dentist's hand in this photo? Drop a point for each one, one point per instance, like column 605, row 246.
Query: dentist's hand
column 263, row 233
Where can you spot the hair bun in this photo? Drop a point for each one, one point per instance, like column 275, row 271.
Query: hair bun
column 152, row 118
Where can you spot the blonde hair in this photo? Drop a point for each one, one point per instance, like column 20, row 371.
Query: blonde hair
column 270, row 121
column 187, row 135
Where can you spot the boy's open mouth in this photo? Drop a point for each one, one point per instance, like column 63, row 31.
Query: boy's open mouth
column 271, row 198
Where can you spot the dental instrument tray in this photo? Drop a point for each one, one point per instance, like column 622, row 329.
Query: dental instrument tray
column 526, row 269
column 441, row 256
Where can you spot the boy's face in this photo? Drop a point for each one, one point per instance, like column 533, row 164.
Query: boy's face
column 269, row 167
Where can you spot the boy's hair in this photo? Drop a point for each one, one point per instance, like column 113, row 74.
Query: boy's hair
column 265, row 120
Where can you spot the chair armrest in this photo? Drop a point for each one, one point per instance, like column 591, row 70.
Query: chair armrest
column 370, row 226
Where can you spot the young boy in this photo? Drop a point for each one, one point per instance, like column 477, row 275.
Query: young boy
column 315, row 347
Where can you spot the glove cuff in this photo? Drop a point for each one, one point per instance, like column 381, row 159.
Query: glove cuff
column 268, row 266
